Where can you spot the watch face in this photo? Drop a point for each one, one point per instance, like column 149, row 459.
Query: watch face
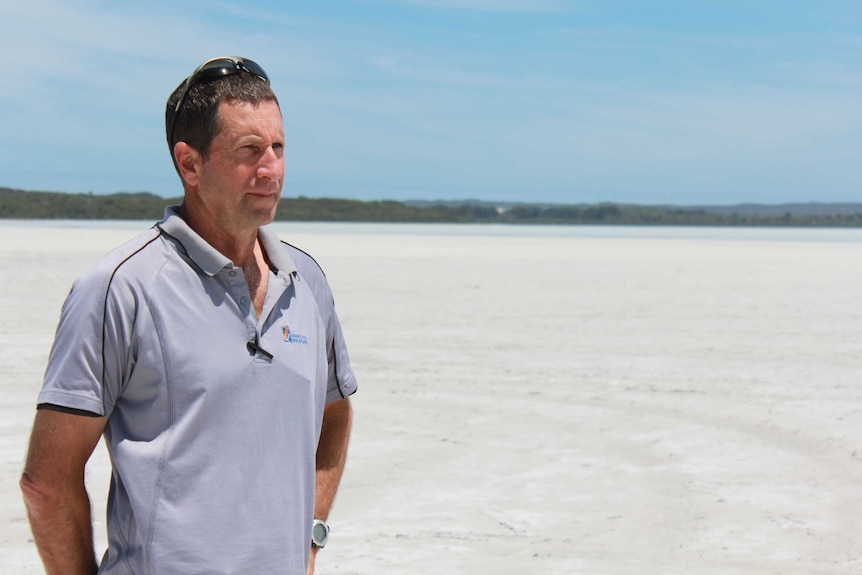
column 319, row 534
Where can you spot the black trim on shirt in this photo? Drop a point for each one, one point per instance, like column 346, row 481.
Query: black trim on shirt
column 338, row 382
column 300, row 250
column 108, row 292
column 69, row 410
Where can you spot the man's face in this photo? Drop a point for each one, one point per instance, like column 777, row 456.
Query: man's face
column 241, row 178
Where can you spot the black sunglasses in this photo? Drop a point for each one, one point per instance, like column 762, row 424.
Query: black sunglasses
column 210, row 70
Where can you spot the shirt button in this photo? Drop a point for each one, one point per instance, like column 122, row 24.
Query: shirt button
column 244, row 300
column 232, row 273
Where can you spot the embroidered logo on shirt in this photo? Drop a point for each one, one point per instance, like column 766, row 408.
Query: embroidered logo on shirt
column 293, row 337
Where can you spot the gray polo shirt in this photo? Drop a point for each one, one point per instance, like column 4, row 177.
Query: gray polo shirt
column 212, row 440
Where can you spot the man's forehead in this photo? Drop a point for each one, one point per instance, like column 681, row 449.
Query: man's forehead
column 249, row 117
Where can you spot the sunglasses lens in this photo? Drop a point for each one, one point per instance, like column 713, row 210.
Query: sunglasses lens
column 215, row 69
column 253, row 67
column 227, row 66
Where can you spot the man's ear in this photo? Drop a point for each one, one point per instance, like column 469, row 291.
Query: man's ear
column 189, row 162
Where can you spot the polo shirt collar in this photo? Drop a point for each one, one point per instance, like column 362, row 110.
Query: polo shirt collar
column 209, row 259
column 275, row 251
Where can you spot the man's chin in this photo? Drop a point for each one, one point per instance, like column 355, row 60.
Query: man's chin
column 259, row 212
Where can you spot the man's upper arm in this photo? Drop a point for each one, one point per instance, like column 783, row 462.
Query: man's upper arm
column 60, row 445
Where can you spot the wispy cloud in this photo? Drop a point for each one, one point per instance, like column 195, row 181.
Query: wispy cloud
column 539, row 6
column 420, row 70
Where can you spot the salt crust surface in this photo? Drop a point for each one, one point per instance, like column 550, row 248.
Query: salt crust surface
column 545, row 404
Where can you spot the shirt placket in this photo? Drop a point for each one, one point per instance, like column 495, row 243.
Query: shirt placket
column 238, row 290
column 239, row 293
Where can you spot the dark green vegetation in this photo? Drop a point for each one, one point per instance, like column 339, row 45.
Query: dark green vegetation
column 145, row 206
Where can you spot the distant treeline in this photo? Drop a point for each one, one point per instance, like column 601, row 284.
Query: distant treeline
column 145, row 206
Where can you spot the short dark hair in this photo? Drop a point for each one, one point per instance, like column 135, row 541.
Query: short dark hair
column 197, row 119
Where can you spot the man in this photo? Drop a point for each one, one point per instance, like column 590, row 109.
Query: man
column 210, row 356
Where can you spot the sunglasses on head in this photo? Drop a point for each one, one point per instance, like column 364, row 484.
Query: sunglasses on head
column 210, row 70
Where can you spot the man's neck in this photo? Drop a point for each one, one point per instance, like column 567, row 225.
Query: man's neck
column 243, row 249
column 239, row 246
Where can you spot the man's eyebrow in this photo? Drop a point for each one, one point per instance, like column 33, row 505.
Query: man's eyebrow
column 249, row 139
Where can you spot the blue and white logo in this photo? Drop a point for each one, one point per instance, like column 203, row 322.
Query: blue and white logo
column 293, row 337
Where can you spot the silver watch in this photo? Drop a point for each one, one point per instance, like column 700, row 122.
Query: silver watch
column 319, row 533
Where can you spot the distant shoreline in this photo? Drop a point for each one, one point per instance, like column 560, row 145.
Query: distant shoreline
column 23, row 204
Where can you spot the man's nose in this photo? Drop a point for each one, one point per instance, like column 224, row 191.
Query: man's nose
column 271, row 165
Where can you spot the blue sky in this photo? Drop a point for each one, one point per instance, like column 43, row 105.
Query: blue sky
column 684, row 102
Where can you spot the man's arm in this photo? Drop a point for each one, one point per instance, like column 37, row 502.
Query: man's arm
column 331, row 456
column 53, row 486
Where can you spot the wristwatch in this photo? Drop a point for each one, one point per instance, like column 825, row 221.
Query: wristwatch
column 319, row 533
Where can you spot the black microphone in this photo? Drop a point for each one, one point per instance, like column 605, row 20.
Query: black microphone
column 252, row 347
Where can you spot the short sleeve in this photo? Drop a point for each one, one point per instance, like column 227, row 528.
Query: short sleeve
column 88, row 359
column 342, row 380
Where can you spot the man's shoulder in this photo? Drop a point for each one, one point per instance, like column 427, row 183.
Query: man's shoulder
column 133, row 258
column 310, row 270
column 305, row 263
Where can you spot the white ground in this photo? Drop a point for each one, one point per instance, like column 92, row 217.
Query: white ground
column 546, row 405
